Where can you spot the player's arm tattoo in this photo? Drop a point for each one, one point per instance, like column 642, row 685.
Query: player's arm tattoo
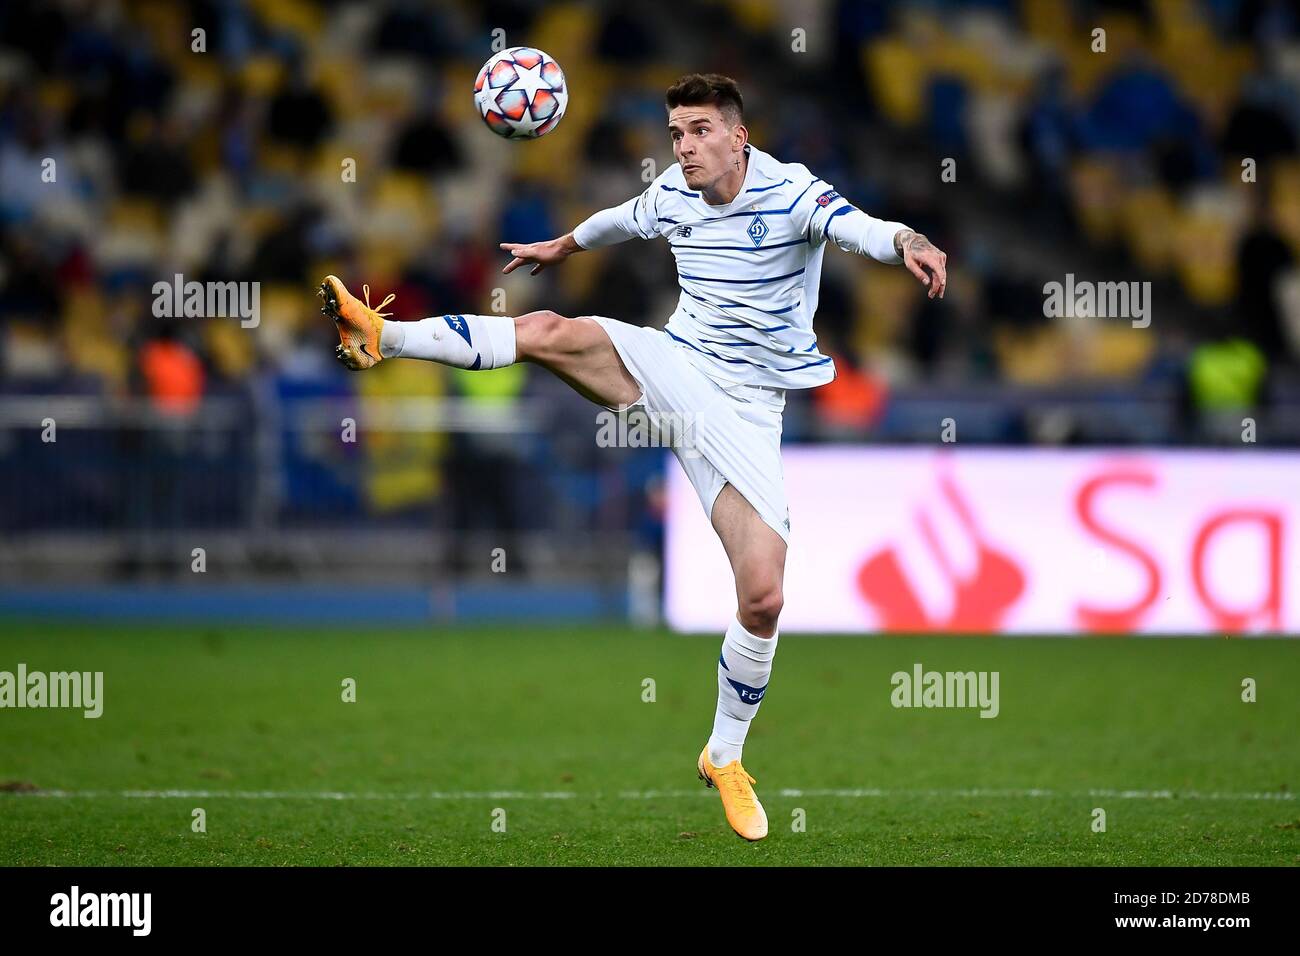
column 906, row 239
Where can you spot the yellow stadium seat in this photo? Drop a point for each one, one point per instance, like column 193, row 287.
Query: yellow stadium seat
column 229, row 347
column 1205, row 254
column 1147, row 217
column 1048, row 21
column 296, row 16
column 261, row 75
column 897, row 78
column 565, row 31
column 336, row 77
column 1094, row 189
column 280, row 159
column 759, row 16
column 884, row 299
column 1117, row 350
column 1032, row 357
column 88, row 342
column 1284, row 200
column 130, row 214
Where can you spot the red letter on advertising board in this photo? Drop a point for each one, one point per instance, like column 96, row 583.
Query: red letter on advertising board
column 1225, row 619
column 1102, row 620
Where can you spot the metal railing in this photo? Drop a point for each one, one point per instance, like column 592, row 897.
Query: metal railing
column 304, row 488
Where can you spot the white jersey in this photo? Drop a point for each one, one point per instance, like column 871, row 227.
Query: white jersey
column 749, row 270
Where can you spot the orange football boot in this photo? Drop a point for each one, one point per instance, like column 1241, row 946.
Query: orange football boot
column 739, row 802
column 358, row 324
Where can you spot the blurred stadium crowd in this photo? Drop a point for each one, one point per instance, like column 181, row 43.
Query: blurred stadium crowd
column 214, row 139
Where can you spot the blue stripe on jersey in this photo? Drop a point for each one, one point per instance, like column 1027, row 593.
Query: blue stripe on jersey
column 771, row 212
column 740, row 325
column 733, row 361
column 673, row 189
column 820, row 361
column 788, row 275
column 746, row 345
column 737, row 305
column 740, row 361
column 779, row 245
column 838, row 212
column 746, row 325
column 763, row 189
column 662, row 219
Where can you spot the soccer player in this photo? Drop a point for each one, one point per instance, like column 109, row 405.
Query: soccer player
column 748, row 233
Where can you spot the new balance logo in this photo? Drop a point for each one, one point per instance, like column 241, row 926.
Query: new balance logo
column 684, row 232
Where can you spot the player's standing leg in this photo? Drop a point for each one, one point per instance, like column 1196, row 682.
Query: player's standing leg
column 757, row 555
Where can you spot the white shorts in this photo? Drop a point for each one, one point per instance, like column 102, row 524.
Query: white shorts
column 724, row 434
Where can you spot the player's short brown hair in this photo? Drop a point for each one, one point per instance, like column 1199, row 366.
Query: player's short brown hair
column 699, row 89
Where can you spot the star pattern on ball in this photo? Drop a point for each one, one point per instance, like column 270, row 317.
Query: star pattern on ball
column 529, row 81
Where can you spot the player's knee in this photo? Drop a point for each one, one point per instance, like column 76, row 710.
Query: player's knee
column 541, row 335
column 760, row 609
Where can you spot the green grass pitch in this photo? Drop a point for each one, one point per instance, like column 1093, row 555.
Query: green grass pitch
column 549, row 725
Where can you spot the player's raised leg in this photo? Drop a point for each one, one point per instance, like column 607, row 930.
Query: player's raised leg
column 365, row 338
column 757, row 555
column 578, row 350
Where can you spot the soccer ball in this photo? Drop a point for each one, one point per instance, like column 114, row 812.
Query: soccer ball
column 521, row 93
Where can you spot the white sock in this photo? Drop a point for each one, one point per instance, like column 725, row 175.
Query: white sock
column 465, row 341
column 743, row 669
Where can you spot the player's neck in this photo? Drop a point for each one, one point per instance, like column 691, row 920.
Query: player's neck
column 728, row 187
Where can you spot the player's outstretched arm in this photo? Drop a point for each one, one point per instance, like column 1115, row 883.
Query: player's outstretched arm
column 855, row 231
column 924, row 260
column 541, row 254
column 634, row 219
